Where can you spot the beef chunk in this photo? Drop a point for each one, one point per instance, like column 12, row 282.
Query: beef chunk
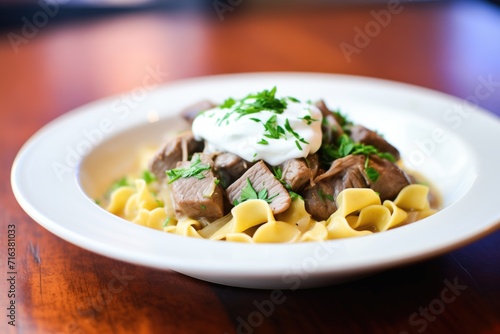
column 260, row 178
column 319, row 200
column 198, row 197
column 190, row 112
column 331, row 126
column 349, row 172
column 172, row 152
column 392, row 178
column 297, row 172
column 229, row 167
column 368, row 137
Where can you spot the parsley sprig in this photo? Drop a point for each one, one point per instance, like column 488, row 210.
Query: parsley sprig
column 308, row 119
column 254, row 103
column 273, row 130
column 249, row 192
column 195, row 169
column 148, row 176
column 298, row 138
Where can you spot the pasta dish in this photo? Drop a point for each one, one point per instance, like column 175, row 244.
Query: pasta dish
column 272, row 169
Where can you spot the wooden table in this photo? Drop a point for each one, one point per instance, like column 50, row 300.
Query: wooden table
column 60, row 288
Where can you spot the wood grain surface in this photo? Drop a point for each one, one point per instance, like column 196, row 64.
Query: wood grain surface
column 60, row 288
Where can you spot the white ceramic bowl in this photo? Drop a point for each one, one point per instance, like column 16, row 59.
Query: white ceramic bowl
column 73, row 159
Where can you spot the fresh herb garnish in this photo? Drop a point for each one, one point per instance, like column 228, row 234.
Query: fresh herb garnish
column 264, row 100
column 288, row 128
column 254, row 103
column 263, row 142
column 166, row 222
column 228, row 103
column 324, row 196
column 294, row 195
column 278, row 173
column 249, row 192
column 344, row 122
column 274, row 131
column 123, row 182
column 346, row 146
column 195, row 169
column 371, row 172
column 148, row 176
column 308, row 119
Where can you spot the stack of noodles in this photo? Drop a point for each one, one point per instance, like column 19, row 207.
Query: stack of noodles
column 360, row 212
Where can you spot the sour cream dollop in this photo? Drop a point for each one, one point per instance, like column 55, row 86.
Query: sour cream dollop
column 250, row 135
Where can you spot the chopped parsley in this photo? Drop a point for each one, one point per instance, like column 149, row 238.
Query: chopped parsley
column 264, row 100
column 273, row 130
column 371, row 172
column 278, row 173
column 228, row 103
column 263, row 142
column 249, row 192
column 294, row 195
column 324, row 196
column 120, row 183
column 308, row 119
column 288, row 128
column 342, row 119
column 148, row 176
column 195, row 169
column 167, row 222
column 123, row 182
column 254, row 103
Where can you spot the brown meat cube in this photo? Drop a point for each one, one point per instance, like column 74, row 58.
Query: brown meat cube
column 229, row 167
column 297, row 172
column 368, row 137
column 260, row 178
column 198, row 197
column 171, row 153
column 349, row 172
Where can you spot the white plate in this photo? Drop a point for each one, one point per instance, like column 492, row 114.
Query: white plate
column 71, row 160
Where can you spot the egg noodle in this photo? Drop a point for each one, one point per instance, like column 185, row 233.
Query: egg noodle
column 360, row 212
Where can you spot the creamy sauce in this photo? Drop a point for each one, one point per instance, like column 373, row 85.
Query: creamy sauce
column 248, row 136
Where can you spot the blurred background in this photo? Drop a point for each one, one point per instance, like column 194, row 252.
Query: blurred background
column 74, row 51
column 12, row 10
